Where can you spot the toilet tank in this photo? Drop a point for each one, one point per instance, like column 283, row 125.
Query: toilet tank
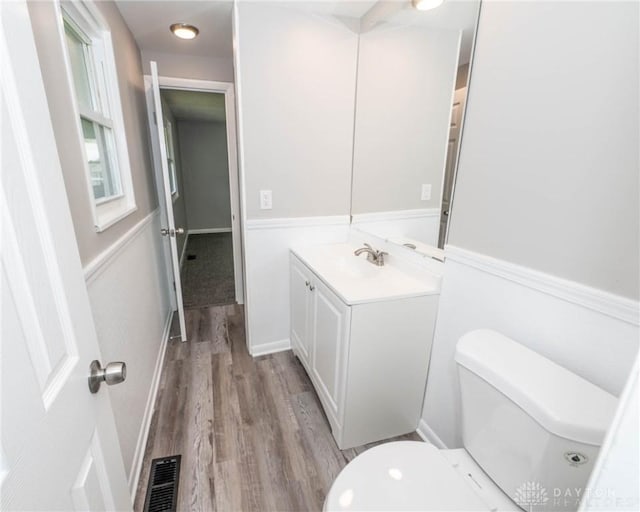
column 534, row 427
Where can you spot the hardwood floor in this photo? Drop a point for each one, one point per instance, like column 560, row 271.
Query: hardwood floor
column 252, row 433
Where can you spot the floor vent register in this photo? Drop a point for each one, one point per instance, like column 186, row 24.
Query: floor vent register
column 162, row 490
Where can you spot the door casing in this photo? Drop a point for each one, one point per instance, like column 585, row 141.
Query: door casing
column 226, row 88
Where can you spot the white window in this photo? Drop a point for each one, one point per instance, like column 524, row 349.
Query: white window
column 92, row 74
column 171, row 159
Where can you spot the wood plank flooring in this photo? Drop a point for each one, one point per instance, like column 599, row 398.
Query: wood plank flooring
column 252, row 433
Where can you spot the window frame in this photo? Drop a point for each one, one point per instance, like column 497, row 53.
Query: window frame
column 84, row 18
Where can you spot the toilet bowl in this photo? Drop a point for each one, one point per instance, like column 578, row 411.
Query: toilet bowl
column 530, row 428
column 412, row 475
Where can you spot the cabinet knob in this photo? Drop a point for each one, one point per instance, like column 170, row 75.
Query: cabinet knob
column 306, row 283
column 311, row 287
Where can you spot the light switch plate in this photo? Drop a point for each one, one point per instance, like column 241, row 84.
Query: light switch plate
column 426, row 192
column 266, row 200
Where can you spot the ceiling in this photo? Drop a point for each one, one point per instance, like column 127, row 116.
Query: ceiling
column 149, row 21
column 194, row 105
column 340, row 8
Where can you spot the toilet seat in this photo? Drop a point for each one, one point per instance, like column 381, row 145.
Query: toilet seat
column 404, row 475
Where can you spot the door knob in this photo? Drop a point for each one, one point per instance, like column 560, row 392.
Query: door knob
column 113, row 373
column 172, row 232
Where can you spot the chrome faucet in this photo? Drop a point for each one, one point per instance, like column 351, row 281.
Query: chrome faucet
column 374, row 256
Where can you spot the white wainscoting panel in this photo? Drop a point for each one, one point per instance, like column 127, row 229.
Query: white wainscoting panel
column 130, row 303
column 587, row 331
column 104, row 259
column 143, row 434
column 267, row 273
column 603, row 302
column 422, row 225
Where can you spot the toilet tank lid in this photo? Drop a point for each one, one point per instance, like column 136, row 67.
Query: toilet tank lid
column 562, row 402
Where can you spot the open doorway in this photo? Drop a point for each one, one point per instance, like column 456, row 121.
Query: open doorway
column 198, row 159
column 198, row 190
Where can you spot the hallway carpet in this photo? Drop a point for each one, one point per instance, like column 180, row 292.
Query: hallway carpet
column 207, row 271
column 251, row 431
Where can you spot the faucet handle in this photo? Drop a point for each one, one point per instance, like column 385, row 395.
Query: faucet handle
column 368, row 246
column 380, row 257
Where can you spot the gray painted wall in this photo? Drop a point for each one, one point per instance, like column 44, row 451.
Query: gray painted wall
column 129, row 68
column 549, row 168
column 405, row 91
column 189, row 66
column 205, row 171
column 297, row 87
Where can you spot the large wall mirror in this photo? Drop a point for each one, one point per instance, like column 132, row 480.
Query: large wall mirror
column 412, row 81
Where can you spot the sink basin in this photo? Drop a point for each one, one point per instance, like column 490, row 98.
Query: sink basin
column 354, row 268
column 357, row 280
column 341, row 256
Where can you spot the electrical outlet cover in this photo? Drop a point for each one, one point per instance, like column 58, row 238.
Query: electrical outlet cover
column 426, row 192
column 266, row 200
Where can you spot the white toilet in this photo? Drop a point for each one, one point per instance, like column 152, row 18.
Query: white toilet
column 531, row 432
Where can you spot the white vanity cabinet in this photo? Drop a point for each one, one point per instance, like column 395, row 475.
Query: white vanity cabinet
column 319, row 330
column 367, row 361
column 300, row 298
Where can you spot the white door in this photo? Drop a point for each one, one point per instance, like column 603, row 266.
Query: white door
column 452, row 157
column 59, row 448
column 165, row 191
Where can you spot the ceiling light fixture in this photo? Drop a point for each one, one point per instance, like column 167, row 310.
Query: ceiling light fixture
column 184, row 30
column 425, row 5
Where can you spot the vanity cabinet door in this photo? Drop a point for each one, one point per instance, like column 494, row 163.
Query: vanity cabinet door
column 330, row 332
column 300, row 283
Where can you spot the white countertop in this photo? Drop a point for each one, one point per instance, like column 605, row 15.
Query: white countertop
column 357, row 281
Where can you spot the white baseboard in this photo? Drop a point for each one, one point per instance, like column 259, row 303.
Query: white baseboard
column 429, row 436
column 208, row 230
column 138, row 458
column 271, row 348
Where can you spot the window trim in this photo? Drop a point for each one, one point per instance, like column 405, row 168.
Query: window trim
column 85, row 16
